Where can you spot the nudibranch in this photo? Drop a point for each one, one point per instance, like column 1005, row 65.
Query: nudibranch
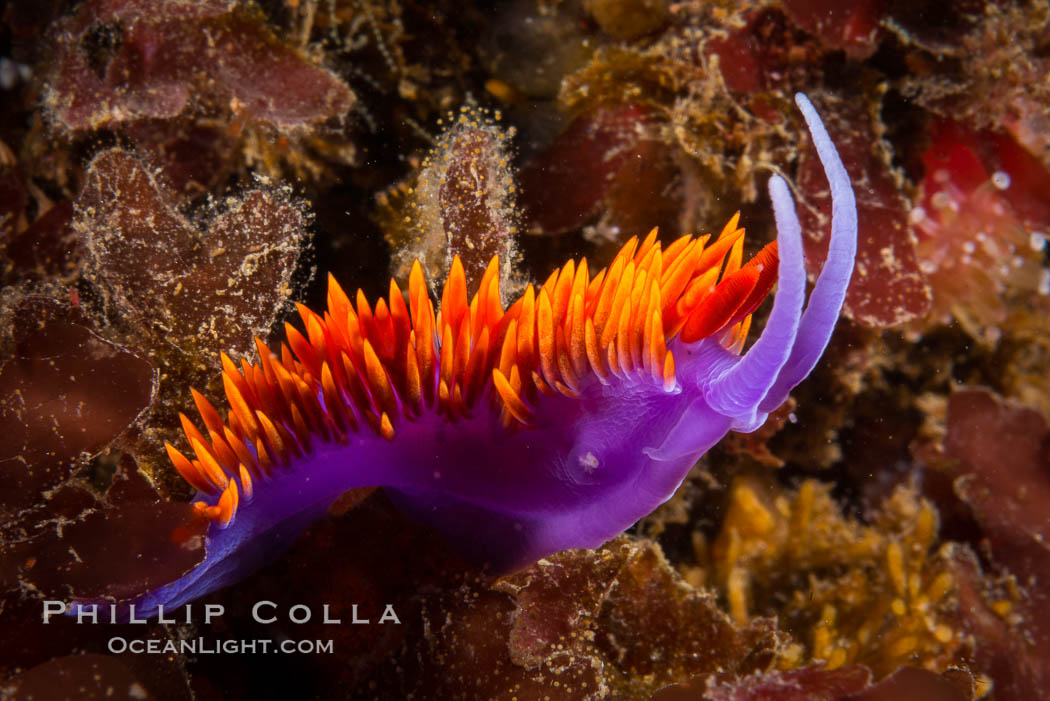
column 555, row 423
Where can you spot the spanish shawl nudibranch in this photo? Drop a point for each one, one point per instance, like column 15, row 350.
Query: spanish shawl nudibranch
column 556, row 423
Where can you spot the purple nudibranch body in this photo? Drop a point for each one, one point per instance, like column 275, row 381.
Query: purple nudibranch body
column 555, row 424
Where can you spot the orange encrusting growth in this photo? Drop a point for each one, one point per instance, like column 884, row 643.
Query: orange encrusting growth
column 359, row 368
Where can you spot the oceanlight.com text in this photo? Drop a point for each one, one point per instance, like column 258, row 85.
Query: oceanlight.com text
column 204, row 646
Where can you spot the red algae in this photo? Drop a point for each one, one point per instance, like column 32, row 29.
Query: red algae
column 713, row 135
column 768, row 44
column 182, row 286
column 59, row 410
column 87, row 677
column 817, row 684
column 57, row 401
column 805, row 684
column 564, row 186
column 616, row 622
column 998, row 453
column 462, row 202
column 914, row 684
column 120, row 61
column 205, row 88
column 216, row 291
column 193, row 157
column 852, row 26
column 82, row 563
column 979, row 62
column 47, row 248
column 980, row 227
column 35, row 231
column 64, row 547
column 610, row 170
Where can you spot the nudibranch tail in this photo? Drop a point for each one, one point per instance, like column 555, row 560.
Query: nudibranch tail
column 554, row 423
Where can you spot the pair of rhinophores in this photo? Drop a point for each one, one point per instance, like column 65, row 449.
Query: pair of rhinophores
column 554, row 424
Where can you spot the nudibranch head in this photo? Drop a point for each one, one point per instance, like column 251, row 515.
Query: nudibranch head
column 555, row 423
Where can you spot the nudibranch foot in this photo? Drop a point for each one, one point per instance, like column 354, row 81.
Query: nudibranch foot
column 555, row 423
